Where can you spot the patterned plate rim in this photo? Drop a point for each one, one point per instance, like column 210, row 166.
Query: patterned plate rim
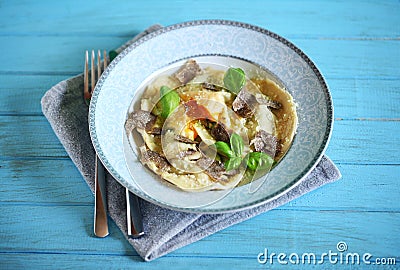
column 266, row 199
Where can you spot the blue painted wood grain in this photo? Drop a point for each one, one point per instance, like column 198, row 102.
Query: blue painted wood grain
column 46, row 207
column 311, row 19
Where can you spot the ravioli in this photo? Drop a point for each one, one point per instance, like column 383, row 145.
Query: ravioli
column 207, row 129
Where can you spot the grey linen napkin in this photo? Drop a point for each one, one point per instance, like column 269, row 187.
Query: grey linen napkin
column 166, row 230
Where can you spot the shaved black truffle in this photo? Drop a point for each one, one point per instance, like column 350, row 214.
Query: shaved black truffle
column 244, row 104
column 266, row 143
column 140, row 119
column 188, row 71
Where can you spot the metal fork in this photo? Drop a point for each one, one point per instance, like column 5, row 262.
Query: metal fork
column 134, row 216
column 100, row 211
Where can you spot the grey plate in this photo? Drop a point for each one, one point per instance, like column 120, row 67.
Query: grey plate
column 226, row 41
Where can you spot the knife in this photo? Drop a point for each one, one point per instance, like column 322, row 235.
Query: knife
column 133, row 215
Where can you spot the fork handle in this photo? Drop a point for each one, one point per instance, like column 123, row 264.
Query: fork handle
column 100, row 214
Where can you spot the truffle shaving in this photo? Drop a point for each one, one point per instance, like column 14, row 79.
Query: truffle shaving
column 244, row 104
column 140, row 119
column 266, row 143
column 188, row 71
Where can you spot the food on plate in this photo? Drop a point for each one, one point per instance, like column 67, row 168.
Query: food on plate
column 205, row 128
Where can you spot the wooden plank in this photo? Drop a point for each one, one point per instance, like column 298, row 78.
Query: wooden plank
column 61, row 260
column 21, row 94
column 365, row 142
column 347, row 144
column 353, row 58
column 16, row 82
column 295, row 231
column 336, row 19
column 278, row 230
column 27, row 136
column 353, row 98
column 66, row 261
column 23, row 227
column 49, row 261
column 37, row 182
column 64, row 55
column 365, row 98
column 43, row 181
column 21, row 84
column 335, row 58
column 377, row 190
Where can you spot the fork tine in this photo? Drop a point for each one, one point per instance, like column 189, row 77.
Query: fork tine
column 86, row 93
column 98, row 65
column 105, row 63
column 92, row 72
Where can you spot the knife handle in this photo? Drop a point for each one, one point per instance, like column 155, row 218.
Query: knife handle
column 100, row 209
column 133, row 215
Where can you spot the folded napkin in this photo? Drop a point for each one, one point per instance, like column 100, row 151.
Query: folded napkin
column 166, row 230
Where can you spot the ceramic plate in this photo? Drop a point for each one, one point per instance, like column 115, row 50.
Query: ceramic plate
column 222, row 43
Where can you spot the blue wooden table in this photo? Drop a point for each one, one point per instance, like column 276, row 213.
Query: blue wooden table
column 46, row 208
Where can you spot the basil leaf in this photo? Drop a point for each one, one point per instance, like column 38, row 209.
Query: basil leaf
column 169, row 101
column 112, row 54
column 252, row 162
column 224, row 149
column 234, row 79
column 237, row 144
column 232, row 163
column 259, row 160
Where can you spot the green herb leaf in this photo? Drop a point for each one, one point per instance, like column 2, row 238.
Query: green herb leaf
column 169, row 101
column 237, row 144
column 233, row 163
column 233, row 152
column 112, row 54
column 259, row 160
column 224, row 149
column 234, row 79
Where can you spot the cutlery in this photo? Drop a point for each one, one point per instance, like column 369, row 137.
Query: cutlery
column 133, row 213
column 100, row 211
